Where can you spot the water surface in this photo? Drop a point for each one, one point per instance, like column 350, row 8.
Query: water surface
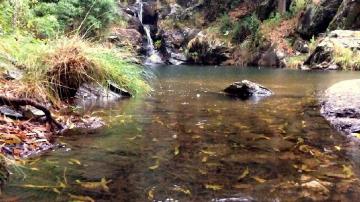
column 189, row 142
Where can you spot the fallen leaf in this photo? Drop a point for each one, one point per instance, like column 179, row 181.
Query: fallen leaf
column 244, row 174
column 214, row 187
column 151, row 193
column 337, row 148
column 258, row 179
column 102, row 185
column 177, row 150
column 81, row 198
column 154, row 167
column 182, row 190
column 74, row 161
column 348, row 171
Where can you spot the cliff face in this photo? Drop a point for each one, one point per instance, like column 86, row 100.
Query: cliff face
column 240, row 32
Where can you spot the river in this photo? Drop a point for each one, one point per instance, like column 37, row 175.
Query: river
column 189, row 142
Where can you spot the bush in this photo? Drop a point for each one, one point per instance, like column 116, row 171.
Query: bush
column 248, row 26
column 297, row 6
column 225, row 24
column 45, row 27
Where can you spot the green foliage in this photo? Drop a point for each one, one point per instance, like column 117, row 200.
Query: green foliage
column 39, row 58
column 45, row 27
column 273, row 20
column 46, row 18
column 225, row 24
column 298, row 6
column 248, row 26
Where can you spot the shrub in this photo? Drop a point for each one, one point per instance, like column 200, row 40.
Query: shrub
column 248, row 26
column 45, row 27
column 297, row 6
column 225, row 24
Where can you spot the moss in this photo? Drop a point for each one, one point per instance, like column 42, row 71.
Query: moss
column 346, row 58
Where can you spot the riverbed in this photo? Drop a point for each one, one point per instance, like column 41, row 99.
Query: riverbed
column 187, row 141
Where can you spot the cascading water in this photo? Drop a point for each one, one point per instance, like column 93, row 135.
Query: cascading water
column 153, row 55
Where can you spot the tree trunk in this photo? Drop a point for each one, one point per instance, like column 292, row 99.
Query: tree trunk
column 282, row 6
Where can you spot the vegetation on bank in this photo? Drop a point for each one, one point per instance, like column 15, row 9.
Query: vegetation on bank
column 42, row 39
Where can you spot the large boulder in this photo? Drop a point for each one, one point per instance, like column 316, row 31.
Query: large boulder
column 333, row 44
column 126, row 37
column 348, row 16
column 150, row 13
column 341, row 106
column 246, row 89
column 205, row 51
column 316, row 18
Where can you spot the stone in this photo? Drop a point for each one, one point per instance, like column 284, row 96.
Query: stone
column 272, row 58
column 123, row 37
column 118, row 90
column 10, row 112
column 13, row 74
column 202, row 50
column 94, row 92
column 340, row 105
column 348, row 16
column 316, row 18
column 246, row 89
column 322, row 56
column 301, row 46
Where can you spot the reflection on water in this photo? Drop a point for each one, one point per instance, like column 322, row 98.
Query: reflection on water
column 188, row 142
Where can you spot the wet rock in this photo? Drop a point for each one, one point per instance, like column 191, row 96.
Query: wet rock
column 246, row 89
column 96, row 92
column 348, row 16
column 322, row 57
column 10, row 112
column 150, row 13
column 317, row 18
column 341, row 106
column 123, row 37
column 118, row 90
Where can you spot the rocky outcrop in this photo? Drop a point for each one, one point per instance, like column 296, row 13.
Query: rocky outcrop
column 348, row 16
column 317, row 18
column 202, row 50
column 341, row 106
column 126, row 37
column 338, row 40
column 246, row 89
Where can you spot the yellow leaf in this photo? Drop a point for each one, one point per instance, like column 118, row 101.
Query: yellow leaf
column 74, row 161
column 182, row 190
column 214, row 187
column 177, row 150
column 10, row 139
column 34, row 169
column 210, row 153
column 56, row 191
column 244, row 174
column 81, row 198
column 102, row 185
column 151, row 193
column 338, row 148
column 258, row 179
column 348, row 171
column 154, row 167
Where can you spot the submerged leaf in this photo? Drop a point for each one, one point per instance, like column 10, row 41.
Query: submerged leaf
column 154, row 167
column 74, row 161
column 81, row 198
column 102, row 185
column 151, row 193
column 244, row 174
column 177, row 150
column 258, row 179
column 182, row 190
column 214, row 187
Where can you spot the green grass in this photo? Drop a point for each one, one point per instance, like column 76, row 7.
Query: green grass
column 346, row 58
column 97, row 64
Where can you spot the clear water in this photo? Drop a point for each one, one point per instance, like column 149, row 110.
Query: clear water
column 189, row 142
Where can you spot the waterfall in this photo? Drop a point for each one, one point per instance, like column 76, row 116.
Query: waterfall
column 153, row 55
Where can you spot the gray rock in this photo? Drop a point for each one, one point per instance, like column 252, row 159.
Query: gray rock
column 13, row 74
column 348, row 16
column 322, row 56
column 246, row 89
column 10, row 112
column 341, row 106
column 317, row 18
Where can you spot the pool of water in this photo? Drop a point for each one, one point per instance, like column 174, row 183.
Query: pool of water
column 189, row 142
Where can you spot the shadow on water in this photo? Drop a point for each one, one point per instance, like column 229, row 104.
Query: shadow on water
column 189, row 142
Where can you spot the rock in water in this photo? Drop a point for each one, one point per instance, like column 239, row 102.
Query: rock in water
column 246, row 89
column 341, row 106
